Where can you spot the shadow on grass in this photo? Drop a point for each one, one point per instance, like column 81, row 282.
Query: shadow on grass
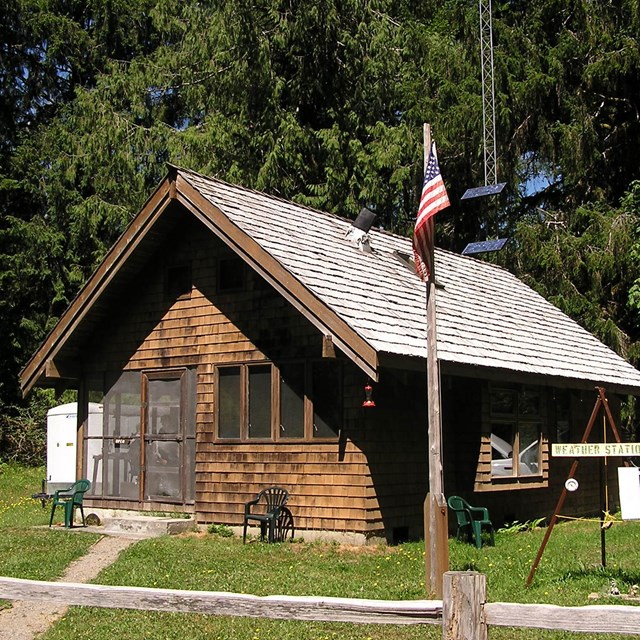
column 621, row 576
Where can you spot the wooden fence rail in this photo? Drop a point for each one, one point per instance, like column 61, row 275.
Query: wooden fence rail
column 463, row 613
column 467, row 615
column 226, row 604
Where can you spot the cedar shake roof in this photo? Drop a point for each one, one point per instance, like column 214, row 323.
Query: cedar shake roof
column 486, row 316
column 372, row 304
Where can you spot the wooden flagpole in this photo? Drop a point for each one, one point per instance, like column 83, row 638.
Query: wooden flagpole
column 436, row 527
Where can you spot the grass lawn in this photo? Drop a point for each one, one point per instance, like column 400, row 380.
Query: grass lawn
column 28, row 548
column 570, row 570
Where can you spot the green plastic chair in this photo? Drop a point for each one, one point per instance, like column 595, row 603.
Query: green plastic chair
column 471, row 520
column 272, row 514
column 70, row 498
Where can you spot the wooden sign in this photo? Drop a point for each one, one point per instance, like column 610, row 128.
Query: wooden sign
column 595, row 449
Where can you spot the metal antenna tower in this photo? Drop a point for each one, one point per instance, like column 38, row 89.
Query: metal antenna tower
column 488, row 93
column 491, row 186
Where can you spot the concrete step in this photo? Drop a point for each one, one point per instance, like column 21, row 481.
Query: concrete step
column 136, row 524
column 148, row 525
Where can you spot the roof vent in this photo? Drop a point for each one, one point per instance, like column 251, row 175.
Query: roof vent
column 358, row 234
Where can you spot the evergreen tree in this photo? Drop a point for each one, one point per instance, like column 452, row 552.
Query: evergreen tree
column 49, row 50
column 321, row 102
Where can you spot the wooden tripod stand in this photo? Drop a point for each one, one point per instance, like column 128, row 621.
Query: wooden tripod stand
column 601, row 402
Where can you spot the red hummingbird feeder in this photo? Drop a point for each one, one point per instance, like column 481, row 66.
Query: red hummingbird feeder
column 368, row 392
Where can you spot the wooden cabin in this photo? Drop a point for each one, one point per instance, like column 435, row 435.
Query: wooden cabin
column 229, row 337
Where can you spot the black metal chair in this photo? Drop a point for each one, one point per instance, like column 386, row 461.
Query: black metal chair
column 70, row 498
column 268, row 509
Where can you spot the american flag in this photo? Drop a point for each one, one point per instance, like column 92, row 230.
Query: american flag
column 434, row 198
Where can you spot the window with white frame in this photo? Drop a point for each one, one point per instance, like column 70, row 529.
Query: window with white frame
column 516, row 427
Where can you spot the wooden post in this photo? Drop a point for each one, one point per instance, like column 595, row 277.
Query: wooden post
column 465, row 593
column 81, row 425
column 436, row 528
column 435, row 507
column 603, row 511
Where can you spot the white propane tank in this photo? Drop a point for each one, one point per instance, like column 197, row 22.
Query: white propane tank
column 62, row 445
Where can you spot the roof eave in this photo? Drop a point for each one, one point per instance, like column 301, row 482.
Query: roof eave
column 41, row 366
column 349, row 341
column 41, row 369
column 495, row 373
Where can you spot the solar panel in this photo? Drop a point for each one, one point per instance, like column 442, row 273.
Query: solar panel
column 487, row 190
column 484, row 247
column 365, row 220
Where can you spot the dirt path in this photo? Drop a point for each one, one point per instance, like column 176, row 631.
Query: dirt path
column 25, row 620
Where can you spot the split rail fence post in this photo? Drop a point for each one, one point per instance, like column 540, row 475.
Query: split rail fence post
column 464, row 596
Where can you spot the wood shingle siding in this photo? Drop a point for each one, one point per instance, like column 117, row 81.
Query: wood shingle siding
column 330, row 488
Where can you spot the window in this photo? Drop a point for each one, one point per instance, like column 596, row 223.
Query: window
column 112, row 437
column 292, row 386
column 244, row 402
column 259, row 402
column 231, row 274
column 229, row 402
column 178, row 281
column 326, row 400
column 297, row 400
column 516, row 426
column 562, row 403
column 139, row 443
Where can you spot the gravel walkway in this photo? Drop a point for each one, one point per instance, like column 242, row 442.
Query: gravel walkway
column 25, row 620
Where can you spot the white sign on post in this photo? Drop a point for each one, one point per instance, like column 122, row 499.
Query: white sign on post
column 595, row 449
column 629, row 486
